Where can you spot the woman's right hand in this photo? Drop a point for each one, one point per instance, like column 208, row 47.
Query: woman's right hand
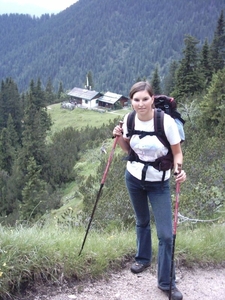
column 117, row 131
column 122, row 142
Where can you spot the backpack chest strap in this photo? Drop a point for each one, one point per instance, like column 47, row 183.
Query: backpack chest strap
column 142, row 134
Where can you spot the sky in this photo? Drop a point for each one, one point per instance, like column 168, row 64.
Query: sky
column 34, row 7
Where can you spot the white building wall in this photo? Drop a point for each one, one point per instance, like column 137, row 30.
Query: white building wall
column 89, row 104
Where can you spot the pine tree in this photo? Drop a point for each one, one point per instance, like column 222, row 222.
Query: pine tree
column 7, row 152
column 155, row 82
column 8, row 146
column 1, row 106
column 170, row 80
column 213, row 106
column 10, row 104
column 217, row 48
column 33, row 152
column 188, row 80
column 49, row 92
column 33, row 193
column 9, row 205
column 38, row 94
column 60, row 90
column 205, row 68
column 14, row 139
column 62, row 154
column 37, row 122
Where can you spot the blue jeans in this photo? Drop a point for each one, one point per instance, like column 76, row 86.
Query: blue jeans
column 158, row 194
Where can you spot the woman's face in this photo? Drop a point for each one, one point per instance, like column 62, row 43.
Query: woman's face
column 142, row 103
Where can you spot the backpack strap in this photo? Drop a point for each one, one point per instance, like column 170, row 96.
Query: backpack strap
column 159, row 127
column 130, row 123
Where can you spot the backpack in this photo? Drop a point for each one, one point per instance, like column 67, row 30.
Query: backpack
column 163, row 104
column 169, row 106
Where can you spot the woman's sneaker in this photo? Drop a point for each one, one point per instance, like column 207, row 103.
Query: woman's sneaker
column 175, row 294
column 138, row 267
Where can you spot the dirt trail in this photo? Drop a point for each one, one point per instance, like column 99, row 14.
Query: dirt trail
column 195, row 284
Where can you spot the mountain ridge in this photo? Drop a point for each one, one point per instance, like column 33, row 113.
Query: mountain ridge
column 117, row 41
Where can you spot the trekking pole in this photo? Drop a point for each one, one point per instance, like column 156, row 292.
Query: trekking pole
column 101, row 186
column 174, row 235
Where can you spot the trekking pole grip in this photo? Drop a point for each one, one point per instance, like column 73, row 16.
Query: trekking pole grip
column 120, row 124
column 111, row 155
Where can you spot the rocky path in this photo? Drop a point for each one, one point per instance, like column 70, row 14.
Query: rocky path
column 195, row 284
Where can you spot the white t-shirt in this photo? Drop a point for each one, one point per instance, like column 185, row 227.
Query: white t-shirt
column 149, row 148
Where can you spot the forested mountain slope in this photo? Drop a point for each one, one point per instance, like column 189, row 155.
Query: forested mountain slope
column 117, row 41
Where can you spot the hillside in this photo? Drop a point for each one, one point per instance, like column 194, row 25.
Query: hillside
column 117, row 40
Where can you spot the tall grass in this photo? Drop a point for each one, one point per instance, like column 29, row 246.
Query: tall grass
column 50, row 253
column 203, row 244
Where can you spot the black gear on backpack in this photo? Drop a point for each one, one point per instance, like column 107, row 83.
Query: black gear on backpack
column 168, row 105
column 163, row 104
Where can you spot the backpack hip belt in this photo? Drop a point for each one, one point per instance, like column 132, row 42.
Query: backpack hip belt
column 163, row 163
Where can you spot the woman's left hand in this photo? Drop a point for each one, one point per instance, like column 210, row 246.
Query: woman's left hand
column 181, row 176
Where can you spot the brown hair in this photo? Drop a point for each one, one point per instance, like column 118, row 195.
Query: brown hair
column 141, row 86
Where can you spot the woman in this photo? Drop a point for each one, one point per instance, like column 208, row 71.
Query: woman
column 149, row 148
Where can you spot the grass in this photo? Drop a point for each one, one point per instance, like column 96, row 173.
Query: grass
column 50, row 253
column 80, row 118
column 203, row 244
